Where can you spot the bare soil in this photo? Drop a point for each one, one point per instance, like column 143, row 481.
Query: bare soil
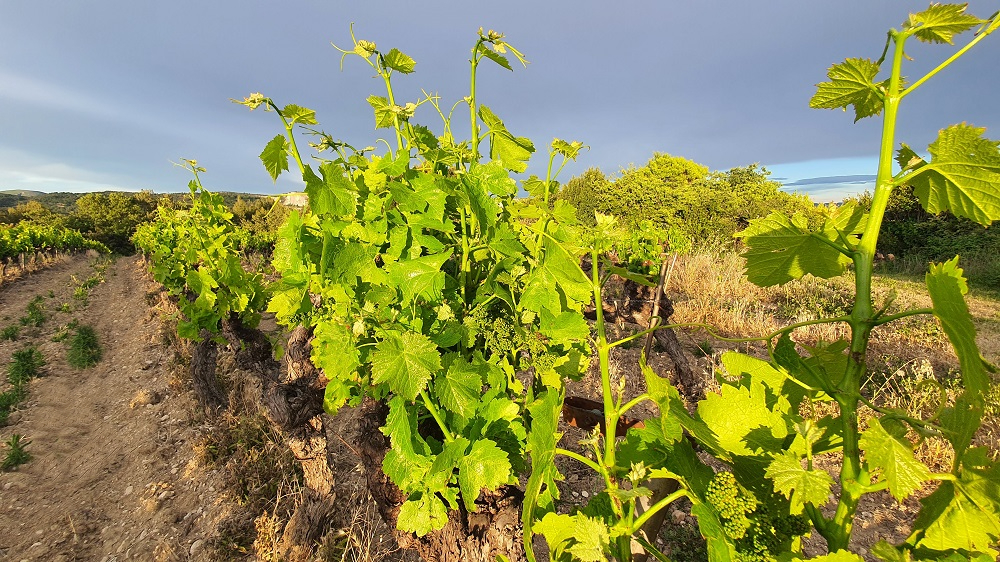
column 113, row 474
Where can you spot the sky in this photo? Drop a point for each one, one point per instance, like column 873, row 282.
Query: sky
column 107, row 94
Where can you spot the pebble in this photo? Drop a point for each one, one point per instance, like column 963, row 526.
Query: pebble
column 585, row 494
column 196, row 547
column 678, row 516
column 13, row 418
column 128, row 489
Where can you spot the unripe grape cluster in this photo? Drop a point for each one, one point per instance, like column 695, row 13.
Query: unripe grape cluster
column 758, row 533
column 732, row 502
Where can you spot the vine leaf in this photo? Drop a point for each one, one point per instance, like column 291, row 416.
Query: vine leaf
column 961, row 177
column 838, row 556
column 720, row 548
column 569, row 326
column 332, row 194
column 423, row 515
column 798, row 484
column 717, row 412
column 851, row 83
column 584, row 538
column 780, row 249
column 946, row 286
column 399, row 61
column 460, row 389
column 494, row 56
column 298, row 114
column 419, row 278
column 486, row 466
column 405, row 362
column 894, row 456
column 542, row 442
column 334, row 351
column 275, row 156
column 940, row 23
column 383, row 112
column 513, row 152
column 962, row 515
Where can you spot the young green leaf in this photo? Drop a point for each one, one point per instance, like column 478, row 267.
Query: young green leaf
column 275, row 156
column 399, row 62
column 800, row 485
column 405, row 362
column 301, row 115
column 940, row 23
column 513, row 152
column 486, row 466
column 423, row 515
column 333, row 194
column 584, row 538
column 962, row 515
column 383, row 112
column 780, row 249
column 894, row 456
column 851, row 83
column 961, row 177
column 460, row 389
column 946, row 286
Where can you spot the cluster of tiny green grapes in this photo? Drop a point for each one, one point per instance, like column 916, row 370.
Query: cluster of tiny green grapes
column 500, row 335
column 770, row 535
column 732, row 502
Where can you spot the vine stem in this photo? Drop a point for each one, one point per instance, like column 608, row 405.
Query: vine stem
column 580, row 458
column 474, row 125
column 658, row 506
column 448, row 437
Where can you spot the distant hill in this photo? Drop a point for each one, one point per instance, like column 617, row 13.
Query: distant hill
column 63, row 202
column 21, row 192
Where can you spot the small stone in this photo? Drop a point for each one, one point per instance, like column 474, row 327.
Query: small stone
column 585, row 494
column 14, row 417
column 128, row 489
column 144, row 397
column 165, row 495
column 196, row 547
column 7, row 485
column 678, row 516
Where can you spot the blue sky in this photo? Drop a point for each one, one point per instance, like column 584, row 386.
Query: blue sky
column 106, row 94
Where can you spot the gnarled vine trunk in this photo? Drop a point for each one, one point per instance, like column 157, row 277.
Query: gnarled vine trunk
column 207, row 387
column 293, row 403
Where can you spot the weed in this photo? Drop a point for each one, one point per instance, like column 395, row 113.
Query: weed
column 9, row 399
column 10, row 333
column 80, row 294
column 65, row 308
column 16, row 455
column 52, row 294
column 84, row 348
column 24, row 366
column 35, row 315
column 64, row 331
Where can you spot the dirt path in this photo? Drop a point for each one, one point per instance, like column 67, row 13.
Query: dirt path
column 113, row 475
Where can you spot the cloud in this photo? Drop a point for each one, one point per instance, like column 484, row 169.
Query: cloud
column 839, row 180
column 20, row 170
column 29, row 90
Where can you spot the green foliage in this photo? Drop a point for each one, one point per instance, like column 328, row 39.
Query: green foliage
column 111, row 218
column 426, row 284
column 10, row 333
column 16, row 454
column 26, row 238
column 675, row 193
column 195, row 253
column 84, row 348
column 34, row 314
column 25, row 365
